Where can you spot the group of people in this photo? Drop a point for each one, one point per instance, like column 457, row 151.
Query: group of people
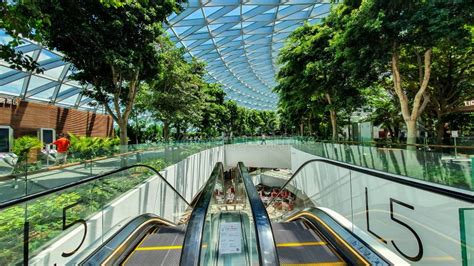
column 228, row 198
column 281, row 199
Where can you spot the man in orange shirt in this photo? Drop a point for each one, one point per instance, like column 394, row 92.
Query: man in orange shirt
column 62, row 146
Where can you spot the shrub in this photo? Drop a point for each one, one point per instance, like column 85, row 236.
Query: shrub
column 88, row 147
column 22, row 145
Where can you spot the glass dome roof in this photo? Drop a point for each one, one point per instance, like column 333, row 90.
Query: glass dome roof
column 52, row 86
column 240, row 41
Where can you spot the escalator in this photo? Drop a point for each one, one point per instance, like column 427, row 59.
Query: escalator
column 317, row 239
column 315, row 236
column 227, row 223
column 219, row 230
column 237, row 230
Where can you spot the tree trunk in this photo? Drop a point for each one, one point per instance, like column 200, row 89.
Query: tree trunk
column 123, row 136
column 421, row 98
column 301, row 128
column 332, row 114
column 349, row 135
column 166, row 130
column 178, row 131
column 440, row 132
column 333, row 117
column 411, row 133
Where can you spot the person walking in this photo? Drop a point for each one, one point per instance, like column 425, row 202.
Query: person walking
column 62, row 146
column 263, row 139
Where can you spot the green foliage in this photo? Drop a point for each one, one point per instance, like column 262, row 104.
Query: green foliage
column 396, row 41
column 157, row 164
column 22, row 145
column 214, row 111
column 175, row 95
column 88, row 147
column 45, row 214
column 312, row 80
column 24, row 20
column 419, row 51
column 112, row 46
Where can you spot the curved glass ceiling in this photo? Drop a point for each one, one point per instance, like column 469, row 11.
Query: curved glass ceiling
column 240, row 41
column 53, row 86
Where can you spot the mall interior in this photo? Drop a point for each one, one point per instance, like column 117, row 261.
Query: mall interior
column 236, row 132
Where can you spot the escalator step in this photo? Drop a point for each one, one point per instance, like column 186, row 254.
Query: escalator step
column 160, row 248
column 297, row 225
column 155, row 257
column 164, row 237
column 285, row 236
column 309, row 254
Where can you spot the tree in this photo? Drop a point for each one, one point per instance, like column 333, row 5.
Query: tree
column 311, row 69
column 114, row 49
column 21, row 20
column 451, row 82
column 385, row 111
column 213, row 110
column 399, row 36
column 175, row 94
column 25, row 19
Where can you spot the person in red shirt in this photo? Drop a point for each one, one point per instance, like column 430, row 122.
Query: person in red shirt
column 62, row 146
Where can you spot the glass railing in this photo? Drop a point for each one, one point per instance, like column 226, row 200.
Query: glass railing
column 27, row 178
column 41, row 172
column 424, row 223
column 431, row 166
column 63, row 224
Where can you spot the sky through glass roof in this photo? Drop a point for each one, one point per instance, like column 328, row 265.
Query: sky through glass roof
column 240, row 41
column 53, row 86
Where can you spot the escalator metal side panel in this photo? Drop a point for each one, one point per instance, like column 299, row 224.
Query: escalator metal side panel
column 355, row 234
column 350, row 246
column 117, row 247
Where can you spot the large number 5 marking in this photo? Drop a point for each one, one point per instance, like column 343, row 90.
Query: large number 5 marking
column 66, row 226
column 420, row 245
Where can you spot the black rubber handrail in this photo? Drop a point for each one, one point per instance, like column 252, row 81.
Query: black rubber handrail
column 191, row 252
column 263, row 227
column 40, row 194
column 413, row 183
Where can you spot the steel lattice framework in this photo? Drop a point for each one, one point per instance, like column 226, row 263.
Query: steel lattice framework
column 240, row 40
column 52, row 86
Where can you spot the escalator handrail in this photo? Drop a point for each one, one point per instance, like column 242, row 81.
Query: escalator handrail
column 435, row 188
column 40, row 194
column 191, row 251
column 263, row 227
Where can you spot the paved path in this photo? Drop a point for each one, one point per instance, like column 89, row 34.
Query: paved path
column 21, row 186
